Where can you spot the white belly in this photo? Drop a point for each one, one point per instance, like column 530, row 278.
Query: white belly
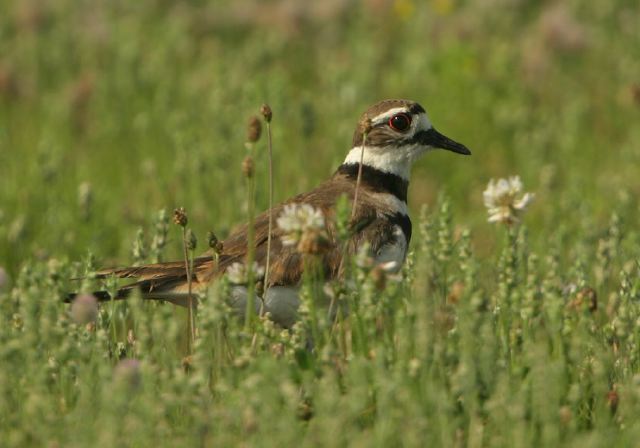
column 281, row 301
column 391, row 256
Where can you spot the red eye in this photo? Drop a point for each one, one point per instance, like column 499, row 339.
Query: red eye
column 400, row 122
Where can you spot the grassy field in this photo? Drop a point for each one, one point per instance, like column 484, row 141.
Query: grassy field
column 524, row 335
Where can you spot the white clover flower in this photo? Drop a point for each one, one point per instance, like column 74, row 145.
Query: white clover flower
column 505, row 200
column 238, row 274
column 297, row 220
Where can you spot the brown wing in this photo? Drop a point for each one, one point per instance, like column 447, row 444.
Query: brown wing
column 286, row 263
column 168, row 281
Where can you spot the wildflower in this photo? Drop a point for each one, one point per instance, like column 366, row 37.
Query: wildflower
column 238, row 274
column 505, row 201
column 303, row 227
column 84, row 309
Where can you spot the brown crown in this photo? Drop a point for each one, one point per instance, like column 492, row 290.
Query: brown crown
column 381, row 136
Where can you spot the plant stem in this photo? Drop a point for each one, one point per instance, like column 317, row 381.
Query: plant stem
column 270, row 227
column 192, row 303
column 250, row 308
column 187, row 267
column 359, row 178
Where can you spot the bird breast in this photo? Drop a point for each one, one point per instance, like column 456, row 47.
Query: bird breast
column 391, row 255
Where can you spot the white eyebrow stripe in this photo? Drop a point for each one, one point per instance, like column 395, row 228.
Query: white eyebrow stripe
column 384, row 116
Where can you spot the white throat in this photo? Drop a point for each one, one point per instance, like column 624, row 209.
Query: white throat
column 394, row 160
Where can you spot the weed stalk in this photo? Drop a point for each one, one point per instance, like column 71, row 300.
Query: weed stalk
column 253, row 135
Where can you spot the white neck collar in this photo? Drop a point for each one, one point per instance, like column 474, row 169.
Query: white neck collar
column 395, row 160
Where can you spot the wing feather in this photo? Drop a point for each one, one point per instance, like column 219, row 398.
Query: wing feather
column 168, row 280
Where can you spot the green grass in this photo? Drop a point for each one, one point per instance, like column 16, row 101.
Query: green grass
column 489, row 340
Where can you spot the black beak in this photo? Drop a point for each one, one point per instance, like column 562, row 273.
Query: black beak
column 435, row 139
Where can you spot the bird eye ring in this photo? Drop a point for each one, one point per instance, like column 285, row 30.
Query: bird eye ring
column 400, row 122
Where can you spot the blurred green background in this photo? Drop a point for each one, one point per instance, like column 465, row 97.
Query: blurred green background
column 111, row 110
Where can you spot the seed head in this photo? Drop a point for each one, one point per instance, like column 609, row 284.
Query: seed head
column 248, row 167
column 455, row 293
column 259, row 288
column 366, row 126
column 187, row 363
column 180, row 217
column 254, row 129
column 84, row 309
column 585, row 298
column 266, row 112
column 613, row 398
column 131, row 337
column 565, row 415
column 214, row 242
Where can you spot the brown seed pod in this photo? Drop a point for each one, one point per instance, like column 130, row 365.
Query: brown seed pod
column 248, row 167
column 254, row 129
column 214, row 242
column 266, row 112
column 180, row 217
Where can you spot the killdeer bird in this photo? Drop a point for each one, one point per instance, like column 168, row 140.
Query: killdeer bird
column 398, row 132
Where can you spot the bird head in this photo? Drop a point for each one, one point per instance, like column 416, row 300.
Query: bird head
column 396, row 133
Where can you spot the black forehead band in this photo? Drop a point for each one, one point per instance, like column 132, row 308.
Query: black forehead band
column 417, row 109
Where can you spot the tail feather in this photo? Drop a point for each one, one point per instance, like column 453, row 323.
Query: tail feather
column 149, row 271
column 164, row 281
